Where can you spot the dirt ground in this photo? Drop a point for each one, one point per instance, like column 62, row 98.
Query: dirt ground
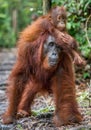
column 43, row 106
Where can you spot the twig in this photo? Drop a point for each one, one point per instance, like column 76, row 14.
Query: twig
column 86, row 30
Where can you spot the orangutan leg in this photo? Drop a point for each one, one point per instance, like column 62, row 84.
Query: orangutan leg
column 64, row 93
column 26, row 100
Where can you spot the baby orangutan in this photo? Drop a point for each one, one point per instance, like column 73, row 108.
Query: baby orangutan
column 58, row 19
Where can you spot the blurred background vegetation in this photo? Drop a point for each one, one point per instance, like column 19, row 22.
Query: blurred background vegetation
column 16, row 15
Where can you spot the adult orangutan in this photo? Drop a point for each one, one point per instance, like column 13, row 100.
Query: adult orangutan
column 41, row 66
column 55, row 23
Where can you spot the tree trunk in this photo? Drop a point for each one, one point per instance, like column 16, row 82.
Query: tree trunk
column 14, row 20
column 46, row 6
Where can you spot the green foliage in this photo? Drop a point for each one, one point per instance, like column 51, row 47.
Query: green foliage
column 43, row 110
column 86, row 75
column 83, row 96
column 84, row 99
column 19, row 127
column 86, row 51
column 8, row 35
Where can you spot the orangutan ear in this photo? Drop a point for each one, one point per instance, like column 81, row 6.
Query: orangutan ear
column 50, row 19
column 64, row 8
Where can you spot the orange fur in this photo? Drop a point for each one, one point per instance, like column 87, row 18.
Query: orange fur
column 29, row 77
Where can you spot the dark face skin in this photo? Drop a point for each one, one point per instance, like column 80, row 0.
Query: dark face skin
column 52, row 52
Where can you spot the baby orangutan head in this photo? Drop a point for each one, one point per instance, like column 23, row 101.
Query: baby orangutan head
column 59, row 17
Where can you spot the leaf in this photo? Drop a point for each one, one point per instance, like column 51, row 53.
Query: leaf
column 86, row 75
column 69, row 25
column 2, row 15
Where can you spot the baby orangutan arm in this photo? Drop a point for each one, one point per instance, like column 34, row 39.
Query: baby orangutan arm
column 58, row 19
column 77, row 59
column 70, row 45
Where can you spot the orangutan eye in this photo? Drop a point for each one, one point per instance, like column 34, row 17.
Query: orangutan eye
column 64, row 19
column 51, row 44
column 59, row 17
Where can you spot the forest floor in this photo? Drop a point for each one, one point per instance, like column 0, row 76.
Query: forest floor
column 43, row 106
